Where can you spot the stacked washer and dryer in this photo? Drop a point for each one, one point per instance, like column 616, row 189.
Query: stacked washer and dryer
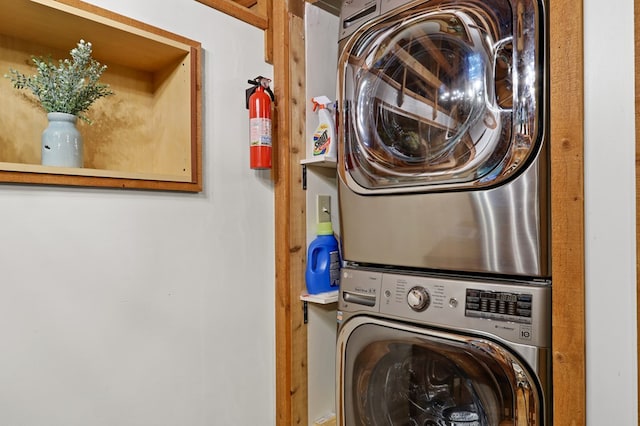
column 444, row 308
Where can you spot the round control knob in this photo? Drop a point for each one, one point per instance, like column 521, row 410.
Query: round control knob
column 418, row 299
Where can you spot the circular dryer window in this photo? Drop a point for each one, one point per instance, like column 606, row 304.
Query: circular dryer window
column 420, row 106
column 428, row 100
column 413, row 385
column 394, row 374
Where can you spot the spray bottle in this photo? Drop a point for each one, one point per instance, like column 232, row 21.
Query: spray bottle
column 324, row 138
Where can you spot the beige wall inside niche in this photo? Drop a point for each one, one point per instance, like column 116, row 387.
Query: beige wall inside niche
column 140, row 129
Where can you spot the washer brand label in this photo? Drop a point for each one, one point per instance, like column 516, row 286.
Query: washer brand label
column 525, row 332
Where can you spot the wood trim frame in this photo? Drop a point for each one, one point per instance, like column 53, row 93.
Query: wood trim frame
column 567, row 210
column 290, row 212
column 254, row 12
column 256, row 18
column 636, row 25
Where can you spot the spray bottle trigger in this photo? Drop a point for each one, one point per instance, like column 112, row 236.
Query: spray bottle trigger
column 320, row 102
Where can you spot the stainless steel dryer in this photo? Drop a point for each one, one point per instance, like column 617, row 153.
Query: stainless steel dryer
column 433, row 351
column 443, row 158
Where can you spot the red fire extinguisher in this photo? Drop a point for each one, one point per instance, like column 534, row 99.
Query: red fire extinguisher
column 259, row 98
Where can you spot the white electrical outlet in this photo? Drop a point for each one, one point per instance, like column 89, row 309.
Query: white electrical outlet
column 323, row 212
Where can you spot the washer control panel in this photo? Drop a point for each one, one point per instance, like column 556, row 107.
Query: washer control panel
column 499, row 305
column 515, row 312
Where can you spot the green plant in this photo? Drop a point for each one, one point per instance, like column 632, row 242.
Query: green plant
column 71, row 86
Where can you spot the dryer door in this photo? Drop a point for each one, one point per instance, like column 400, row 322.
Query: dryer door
column 443, row 95
column 394, row 374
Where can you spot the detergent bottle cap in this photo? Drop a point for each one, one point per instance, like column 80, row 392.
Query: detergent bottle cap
column 324, row 228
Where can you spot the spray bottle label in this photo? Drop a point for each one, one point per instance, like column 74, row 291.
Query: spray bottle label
column 321, row 140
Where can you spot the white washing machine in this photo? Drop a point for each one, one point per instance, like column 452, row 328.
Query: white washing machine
column 443, row 158
column 426, row 350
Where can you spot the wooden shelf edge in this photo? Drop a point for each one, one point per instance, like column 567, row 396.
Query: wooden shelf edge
column 240, row 12
column 13, row 177
column 88, row 172
column 320, row 161
column 320, row 298
column 132, row 25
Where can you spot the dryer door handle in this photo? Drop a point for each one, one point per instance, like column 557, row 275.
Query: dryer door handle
column 503, row 73
column 358, row 15
column 359, row 299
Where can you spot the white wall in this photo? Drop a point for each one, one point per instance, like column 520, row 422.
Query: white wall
column 610, row 213
column 148, row 308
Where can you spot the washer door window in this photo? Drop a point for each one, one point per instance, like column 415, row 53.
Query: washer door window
column 440, row 97
column 395, row 376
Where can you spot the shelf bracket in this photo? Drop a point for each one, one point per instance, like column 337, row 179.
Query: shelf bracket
column 305, row 311
column 304, row 177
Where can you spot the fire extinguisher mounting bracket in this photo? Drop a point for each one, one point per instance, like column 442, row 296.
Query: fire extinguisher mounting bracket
column 255, row 83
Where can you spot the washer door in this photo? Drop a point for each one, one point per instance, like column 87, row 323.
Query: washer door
column 393, row 374
column 441, row 96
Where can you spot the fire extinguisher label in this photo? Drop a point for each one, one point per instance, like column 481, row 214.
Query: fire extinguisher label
column 260, row 131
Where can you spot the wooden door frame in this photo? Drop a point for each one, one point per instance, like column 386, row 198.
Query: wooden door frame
column 287, row 23
column 636, row 26
column 567, row 211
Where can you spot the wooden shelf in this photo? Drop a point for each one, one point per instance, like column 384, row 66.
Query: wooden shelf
column 148, row 135
column 320, row 298
column 320, row 161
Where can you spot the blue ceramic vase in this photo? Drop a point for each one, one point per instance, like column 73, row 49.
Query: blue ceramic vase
column 61, row 141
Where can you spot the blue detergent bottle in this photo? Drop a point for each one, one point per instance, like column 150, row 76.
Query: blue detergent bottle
column 323, row 261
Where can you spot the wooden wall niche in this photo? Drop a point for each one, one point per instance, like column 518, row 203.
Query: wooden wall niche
column 148, row 135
